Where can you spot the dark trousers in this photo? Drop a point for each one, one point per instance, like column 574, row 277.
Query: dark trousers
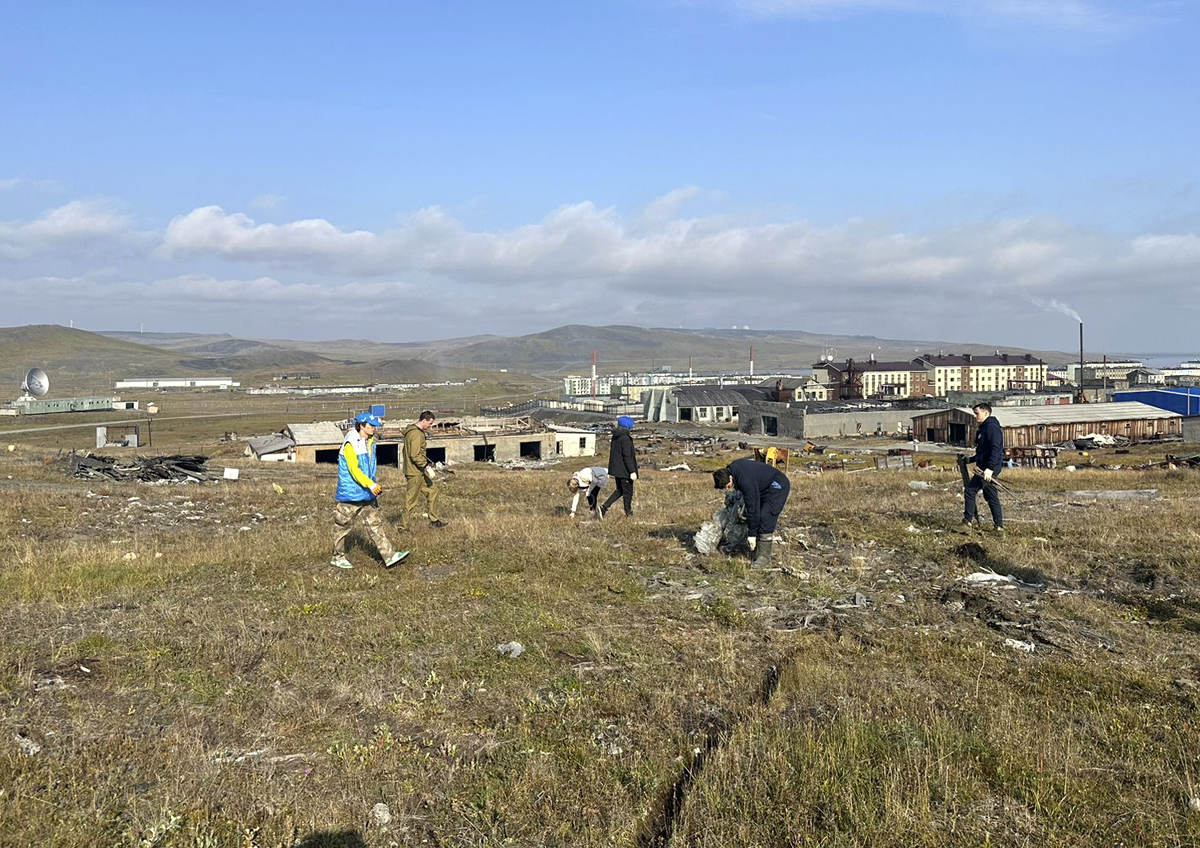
column 624, row 490
column 593, row 495
column 771, row 505
column 991, row 494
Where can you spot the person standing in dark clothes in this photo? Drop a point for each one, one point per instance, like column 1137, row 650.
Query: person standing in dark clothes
column 622, row 465
column 765, row 490
column 989, row 461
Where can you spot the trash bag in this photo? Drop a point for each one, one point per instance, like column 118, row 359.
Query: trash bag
column 728, row 529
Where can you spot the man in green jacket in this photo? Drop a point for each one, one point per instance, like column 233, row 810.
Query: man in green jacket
column 419, row 475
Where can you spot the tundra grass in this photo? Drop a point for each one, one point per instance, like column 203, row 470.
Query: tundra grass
column 181, row 667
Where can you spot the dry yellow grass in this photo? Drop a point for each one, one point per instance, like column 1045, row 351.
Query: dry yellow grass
column 188, row 682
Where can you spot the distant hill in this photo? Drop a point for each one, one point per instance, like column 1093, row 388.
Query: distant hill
column 83, row 363
column 570, row 348
column 77, row 362
column 566, row 349
column 343, row 349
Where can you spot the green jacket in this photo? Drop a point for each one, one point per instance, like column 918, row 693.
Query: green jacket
column 414, row 451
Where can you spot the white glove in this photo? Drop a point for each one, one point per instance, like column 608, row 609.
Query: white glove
column 987, row 475
column 633, row 476
column 430, row 473
column 752, row 541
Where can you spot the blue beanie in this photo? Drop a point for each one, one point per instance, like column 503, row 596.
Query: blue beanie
column 626, row 422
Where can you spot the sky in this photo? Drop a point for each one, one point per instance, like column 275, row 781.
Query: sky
column 965, row 170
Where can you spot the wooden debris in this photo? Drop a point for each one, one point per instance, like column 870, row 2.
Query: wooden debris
column 147, row 469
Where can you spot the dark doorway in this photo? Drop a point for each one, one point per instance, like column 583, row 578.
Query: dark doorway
column 770, row 425
column 930, row 434
column 435, row 454
column 531, row 450
column 485, row 453
column 685, row 413
column 958, row 434
column 388, row 454
column 328, row 456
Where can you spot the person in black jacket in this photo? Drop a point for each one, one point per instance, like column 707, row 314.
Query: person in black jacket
column 622, row 465
column 989, row 461
column 765, row 490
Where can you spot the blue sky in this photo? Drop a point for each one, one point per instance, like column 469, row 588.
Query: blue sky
column 904, row 168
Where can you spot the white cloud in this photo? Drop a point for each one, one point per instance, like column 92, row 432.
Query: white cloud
column 5, row 185
column 584, row 263
column 74, row 230
column 704, row 255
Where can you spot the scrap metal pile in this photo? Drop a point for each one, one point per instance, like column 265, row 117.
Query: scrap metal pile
column 147, row 469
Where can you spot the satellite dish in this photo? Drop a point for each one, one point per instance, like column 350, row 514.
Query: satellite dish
column 36, row 383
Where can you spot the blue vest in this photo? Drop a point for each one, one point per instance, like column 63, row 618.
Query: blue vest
column 348, row 489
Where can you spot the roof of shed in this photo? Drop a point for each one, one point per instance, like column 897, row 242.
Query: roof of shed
column 269, row 444
column 318, row 433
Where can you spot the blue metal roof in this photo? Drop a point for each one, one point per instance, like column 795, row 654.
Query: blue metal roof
column 1184, row 400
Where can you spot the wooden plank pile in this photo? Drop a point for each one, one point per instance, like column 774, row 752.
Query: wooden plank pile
column 147, row 469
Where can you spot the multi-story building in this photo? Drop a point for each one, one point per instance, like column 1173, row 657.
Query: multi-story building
column 931, row 375
column 984, row 373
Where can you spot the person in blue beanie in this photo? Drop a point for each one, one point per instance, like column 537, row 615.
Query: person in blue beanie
column 358, row 493
column 622, row 466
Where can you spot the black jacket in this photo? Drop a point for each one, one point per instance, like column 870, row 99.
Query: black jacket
column 760, row 485
column 989, row 445
column 622, row 458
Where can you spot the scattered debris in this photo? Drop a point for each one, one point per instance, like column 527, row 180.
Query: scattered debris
column 28, row 747
column 919, row 484
column 147, row 469
column 1018, row 645
column 1114, row 494
column 683, row 466
column 510, row 649
column 381, row 814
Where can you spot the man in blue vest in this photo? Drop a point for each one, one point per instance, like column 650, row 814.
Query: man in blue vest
column 765, row 490
column 357, row 493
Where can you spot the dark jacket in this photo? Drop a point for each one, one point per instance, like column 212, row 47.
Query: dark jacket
column 989, row 445
column 622, row 458
column 763, row 487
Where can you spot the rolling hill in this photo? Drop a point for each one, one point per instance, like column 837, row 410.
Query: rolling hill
column 568, row 349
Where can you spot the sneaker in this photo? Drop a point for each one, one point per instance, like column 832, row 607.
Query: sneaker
column 599, row 512
column 999, row 528
column 439, row 523
column 341, row 562
column 396, row 558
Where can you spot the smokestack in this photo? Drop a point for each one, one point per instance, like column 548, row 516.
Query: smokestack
column 593, row 374
column 689, row 368
column 1082, row 397
column 751, row 362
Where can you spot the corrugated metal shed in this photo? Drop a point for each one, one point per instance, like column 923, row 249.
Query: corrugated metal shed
column 1020, row 416
column 1026, row 426
column 320, row 433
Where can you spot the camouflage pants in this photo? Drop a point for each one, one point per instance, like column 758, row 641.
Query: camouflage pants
column 343, row 519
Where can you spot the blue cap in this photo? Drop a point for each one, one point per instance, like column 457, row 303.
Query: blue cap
column 368, row 418
column 626, row 422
